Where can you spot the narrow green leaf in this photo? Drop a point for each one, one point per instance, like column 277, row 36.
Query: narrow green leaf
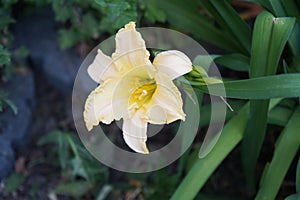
column 60, row 139
column 4, row 56
column 204, row 167
column 74, row 189
column 78, row 168
column 186, row 17
column 152, row 13
column 279, row 116
column 13, row 107
column 298, row 177
column 237, row 62
column 13, row 182
column 269, row 38
column 214, row 197
column 292, row 9
column 50, row 137
column 285, row 85
column 205, row 111
column 189, row 107
column 293, row 197
column 231, row 22
column 72, row 144
column 287, row 147
column 254, row 137
column 282, row 8
column 277, row 8
column 270, row 35
column 293, row 41
column 106, row 189
column 260, row 44
column 63, row 150
column 282, row 28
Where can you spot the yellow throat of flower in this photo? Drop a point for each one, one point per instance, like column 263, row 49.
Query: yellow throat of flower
column 142, row 93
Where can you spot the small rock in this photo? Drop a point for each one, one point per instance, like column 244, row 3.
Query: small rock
column 7, row 158
column 14, row 127
column 38, row 32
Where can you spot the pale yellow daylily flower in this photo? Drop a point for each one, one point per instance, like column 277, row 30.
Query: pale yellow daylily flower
column 134, row 89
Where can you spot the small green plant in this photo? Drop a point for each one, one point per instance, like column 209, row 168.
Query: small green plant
column 6, row 67
column 5, row 39
column 13, row 182
column 91, row 19
column 4, row 57
column 83, row 173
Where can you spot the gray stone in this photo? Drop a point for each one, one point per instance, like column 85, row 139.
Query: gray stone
column 7, row 158
column 14, row 127
column 38, row 32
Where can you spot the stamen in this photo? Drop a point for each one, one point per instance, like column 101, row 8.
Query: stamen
column 142, row 92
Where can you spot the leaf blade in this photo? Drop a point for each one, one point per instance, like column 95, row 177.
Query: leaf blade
column 287, row 148
column 231, row 22
column 270, row 35
column 204, row 167
column 287, row 85
column 186, row 17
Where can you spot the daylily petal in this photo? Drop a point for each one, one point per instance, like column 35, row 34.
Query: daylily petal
column 156, row 114
column 134, row 133
column 173, row 63
column 130, row 49
column 98, row 106
column 168, row 98
column 102, row 68
column 135, row 90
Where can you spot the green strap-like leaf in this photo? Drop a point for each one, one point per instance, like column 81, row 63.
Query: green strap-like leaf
column 279, row 116
column 269, row 38
column 287, row 148
column 74, row 189
column 186, row 17
column 202, row 169
column 4, row 56
column 237, row 62
column 281, row 8
column 205, row 111
column 285, row 85
column 298, row 177
column 231, row 22
column 270, row 35
column 292, row 9
column 293, row 197
column 294, row 41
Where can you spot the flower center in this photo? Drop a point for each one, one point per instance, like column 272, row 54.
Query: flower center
column 142, row 94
